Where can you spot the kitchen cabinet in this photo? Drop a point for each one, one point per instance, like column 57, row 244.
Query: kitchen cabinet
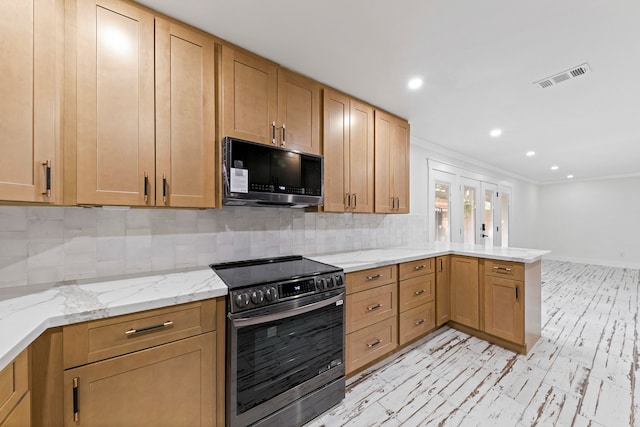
column 512, row 302
column 185, row 116
column 31, row 62
column 465, row 297
column 264, row 103
column 417, row 307
column 443, row 292
column 348, row 149
column 391, row 164
column 15, row 400
column 115, row 103
column 371, row 316
column 145, row 118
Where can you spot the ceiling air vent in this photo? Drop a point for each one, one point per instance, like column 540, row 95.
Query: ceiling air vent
column 578, row 71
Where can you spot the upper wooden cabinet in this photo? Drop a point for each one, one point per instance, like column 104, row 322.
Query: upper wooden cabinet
column 185, row 117
column 391, row 164
column 267, row 104
column 348, row 154
column 145, row 126
column 31, row 33
column 115, row 104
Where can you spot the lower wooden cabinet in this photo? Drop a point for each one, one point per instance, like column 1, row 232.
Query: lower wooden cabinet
column 168, row 385
column 371, row 343
column 15, row 401
column 504, row 308
column 443, row 291
column 417, row 322
column 465, row 298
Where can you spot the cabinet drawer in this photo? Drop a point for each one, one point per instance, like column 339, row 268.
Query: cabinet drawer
column 417, row 322
column 100, row 339
column 368, row 307
column 416, row 291
column 370, row 343
column 14, row 382
column 367, row 279
column 21, row 415
column 416, row 268
column 505, row 269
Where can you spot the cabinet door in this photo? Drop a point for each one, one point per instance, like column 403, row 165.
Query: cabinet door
column 169, row 385
column 298, row 112
column 504, row 308
column 400, row 165
column 443, row 293
column 249, row 97
column 30, row 33
column 361, row 156
column 115, row 103
column 185, row 117
column 464, row 291
column 384, row 128
column 21, row 414
column 336, row 150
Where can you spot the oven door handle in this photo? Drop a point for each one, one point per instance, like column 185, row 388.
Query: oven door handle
column 248, row 321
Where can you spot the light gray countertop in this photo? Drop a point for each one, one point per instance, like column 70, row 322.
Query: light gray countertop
column 27, row 312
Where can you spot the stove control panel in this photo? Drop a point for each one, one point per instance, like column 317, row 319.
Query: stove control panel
column 259, row 296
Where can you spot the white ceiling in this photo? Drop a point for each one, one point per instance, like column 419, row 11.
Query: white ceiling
column 478, row 60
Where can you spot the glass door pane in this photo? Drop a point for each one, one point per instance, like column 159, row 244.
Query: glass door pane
column 487, row 214
column 504, row 219
column 469, row 212
column 442, row 211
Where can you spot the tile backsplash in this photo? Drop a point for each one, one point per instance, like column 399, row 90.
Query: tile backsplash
column 52, row 244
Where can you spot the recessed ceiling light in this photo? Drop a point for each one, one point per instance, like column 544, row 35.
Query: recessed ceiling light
column 495, row 133
column 554, row 168
column 531, row 153
column 569, row 176
column 415, row 83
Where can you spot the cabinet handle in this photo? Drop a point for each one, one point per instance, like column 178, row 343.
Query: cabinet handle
column 146, row 187
column 419, row 322
column 355, row 200
column 376, row 277
column 273, row 133
column 419, row 267
column 348, row 197
column 76, row 410
column 164, row 188
column 517, row 293
column 441, row 265
column 47, row 178
column 375, row 343
column 149, row 328
column 420, row 292
column 499, row 269
column 284, row 135
column 374, row 307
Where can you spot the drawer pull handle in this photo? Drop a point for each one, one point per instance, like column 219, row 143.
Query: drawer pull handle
column 502, row 269
column 76, row 410
column 419, row 267
column 375, row 343
column 419, row 322
column 149, row 328
column 374, row 307
column 376, row 277
column 420, row 292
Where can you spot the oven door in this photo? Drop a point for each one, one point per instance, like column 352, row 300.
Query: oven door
column 281, row 353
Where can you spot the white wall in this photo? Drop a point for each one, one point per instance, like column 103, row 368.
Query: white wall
column 594, row 222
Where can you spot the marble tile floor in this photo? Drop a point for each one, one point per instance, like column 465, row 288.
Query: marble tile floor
column 582, row 372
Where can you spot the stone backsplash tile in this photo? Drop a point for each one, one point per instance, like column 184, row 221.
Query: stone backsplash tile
column 50, row 244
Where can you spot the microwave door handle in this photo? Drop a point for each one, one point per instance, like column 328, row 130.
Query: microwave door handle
column 249, row 321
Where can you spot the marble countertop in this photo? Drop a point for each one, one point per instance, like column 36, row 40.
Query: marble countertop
column 25, row 313
column 371, row 258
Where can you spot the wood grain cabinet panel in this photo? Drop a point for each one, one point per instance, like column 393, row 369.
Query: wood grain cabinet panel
column 21, row 414
column 367, row 279
column 504, row 308
column 14, row 384
column 115, row 103
column 416, row 291
column 368, row 307
column 391, row 164
column 416, row 268
column 298, row 112
column 465, row 298
column 348, row 148
column 31, row 33
column 185, row 117
column 443, row 292
column 172, row 384
column 416, row 322
column 370, row 343
column 504, row 269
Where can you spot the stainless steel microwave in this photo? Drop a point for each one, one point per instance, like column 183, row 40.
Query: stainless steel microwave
column 261, row 175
